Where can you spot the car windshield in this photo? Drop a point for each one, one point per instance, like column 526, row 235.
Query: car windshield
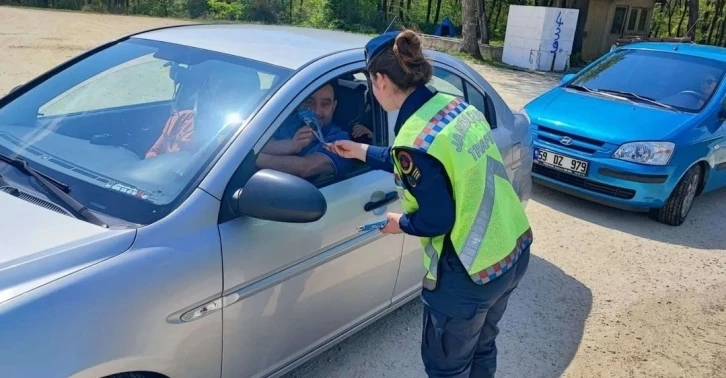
column 681, row 82
column 129, row 129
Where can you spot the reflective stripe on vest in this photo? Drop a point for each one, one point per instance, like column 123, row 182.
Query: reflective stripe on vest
column 437, row 123
column 459, row 137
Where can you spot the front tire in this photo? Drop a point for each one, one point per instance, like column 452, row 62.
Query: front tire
column 679, row 204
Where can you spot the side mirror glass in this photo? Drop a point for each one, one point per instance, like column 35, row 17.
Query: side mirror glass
column 566, row 78
column 280, row 197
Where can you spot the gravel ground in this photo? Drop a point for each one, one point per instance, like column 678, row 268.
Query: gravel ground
column 608, row 293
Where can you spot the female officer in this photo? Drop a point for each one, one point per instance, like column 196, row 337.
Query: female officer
column 457, row 199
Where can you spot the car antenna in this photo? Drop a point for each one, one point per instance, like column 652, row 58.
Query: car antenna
column 389, row 25
column 688, row 31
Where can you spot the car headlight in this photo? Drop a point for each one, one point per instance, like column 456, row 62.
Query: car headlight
column 651, row 153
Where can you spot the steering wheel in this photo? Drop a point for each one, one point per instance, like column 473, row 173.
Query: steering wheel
column 695, row 94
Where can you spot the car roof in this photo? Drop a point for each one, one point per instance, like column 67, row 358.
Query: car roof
column 285, row 46
column 687, row 48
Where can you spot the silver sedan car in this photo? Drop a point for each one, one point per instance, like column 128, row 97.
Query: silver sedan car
column 140, row 237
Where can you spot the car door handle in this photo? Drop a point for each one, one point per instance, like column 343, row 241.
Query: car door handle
column 388, row 198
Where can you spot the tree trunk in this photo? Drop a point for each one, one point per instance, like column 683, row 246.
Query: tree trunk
column 495, row 25
column 541, row 3
column 692, row 19
column 400, row 10
column 428, row 11
column 483, row 26
column 438, row 11
column 716, row 16
column 683, row 17
column 671, row 10
column 468, row 30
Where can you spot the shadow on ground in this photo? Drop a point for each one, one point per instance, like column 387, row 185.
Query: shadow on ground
column 540, row 334
column 702, row 229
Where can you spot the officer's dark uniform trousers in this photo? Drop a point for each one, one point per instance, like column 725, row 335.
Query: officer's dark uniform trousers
column 460, row 317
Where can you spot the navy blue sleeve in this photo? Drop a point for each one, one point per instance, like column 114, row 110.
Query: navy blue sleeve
column 379, row 158
column 427, row 182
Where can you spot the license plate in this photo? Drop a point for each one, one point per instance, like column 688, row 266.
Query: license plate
column 561, row 162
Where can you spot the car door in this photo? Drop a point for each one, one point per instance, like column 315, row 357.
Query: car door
column 297, row 286
column 447, row 81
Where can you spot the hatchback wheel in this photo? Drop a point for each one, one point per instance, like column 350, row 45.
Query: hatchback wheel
column 679, row 204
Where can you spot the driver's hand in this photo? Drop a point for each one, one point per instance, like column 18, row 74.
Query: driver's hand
column 303, row 137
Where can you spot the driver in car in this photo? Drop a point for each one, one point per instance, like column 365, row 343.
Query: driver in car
column 294, row 149
column 218, row 95
column 708, row 85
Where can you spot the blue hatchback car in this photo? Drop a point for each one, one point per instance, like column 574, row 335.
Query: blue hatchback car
column 642, row 128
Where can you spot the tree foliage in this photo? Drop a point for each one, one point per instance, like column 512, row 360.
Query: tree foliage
column 703, row 20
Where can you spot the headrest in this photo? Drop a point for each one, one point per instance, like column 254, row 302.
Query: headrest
column 234, row 75
column 354, row 85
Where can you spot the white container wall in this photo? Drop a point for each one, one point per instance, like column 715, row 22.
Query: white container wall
column 539, row 38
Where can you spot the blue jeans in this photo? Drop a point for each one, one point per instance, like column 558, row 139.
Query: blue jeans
column 460, row 321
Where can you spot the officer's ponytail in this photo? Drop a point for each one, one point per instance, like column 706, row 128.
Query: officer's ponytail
column 404, row 63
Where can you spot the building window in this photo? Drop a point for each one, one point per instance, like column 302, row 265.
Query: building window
column 618, row 20
column 642, row 19
column 637, row 17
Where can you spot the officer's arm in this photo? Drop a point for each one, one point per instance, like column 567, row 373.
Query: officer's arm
column 379, row 158
column 427, row 182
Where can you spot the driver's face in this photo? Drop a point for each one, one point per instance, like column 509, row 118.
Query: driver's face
column 323, row 104
column 708, row 85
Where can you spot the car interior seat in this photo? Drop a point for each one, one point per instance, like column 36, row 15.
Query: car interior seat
column 190, row 80
column 351, row 97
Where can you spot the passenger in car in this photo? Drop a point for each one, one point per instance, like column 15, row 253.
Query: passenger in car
column 294, row 149
column 361, row 134
column 217, row 96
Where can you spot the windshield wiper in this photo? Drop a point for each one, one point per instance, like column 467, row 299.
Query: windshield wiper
column 636, row 97
column 580, row 88
column 55, row 187
column 17, row 163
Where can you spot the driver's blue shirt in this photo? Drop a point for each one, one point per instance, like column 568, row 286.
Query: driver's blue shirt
column 331, row 133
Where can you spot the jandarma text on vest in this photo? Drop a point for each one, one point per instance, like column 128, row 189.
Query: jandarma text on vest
column 466, row 120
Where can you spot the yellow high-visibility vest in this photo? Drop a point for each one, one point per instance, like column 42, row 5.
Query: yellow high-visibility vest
column 491, row 229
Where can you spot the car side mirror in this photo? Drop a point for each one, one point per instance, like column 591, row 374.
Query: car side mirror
column 566, row 78
column 14, row 89
column 280, row 197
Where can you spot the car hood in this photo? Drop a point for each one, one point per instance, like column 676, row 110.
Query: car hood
column 38, row 245
column 603, row 118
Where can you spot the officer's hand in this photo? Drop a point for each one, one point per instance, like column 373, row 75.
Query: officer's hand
column 348, row 149
column 392, row 227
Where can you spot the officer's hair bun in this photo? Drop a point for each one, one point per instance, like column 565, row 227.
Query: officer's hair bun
column 408, row 52
column 404, row 63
